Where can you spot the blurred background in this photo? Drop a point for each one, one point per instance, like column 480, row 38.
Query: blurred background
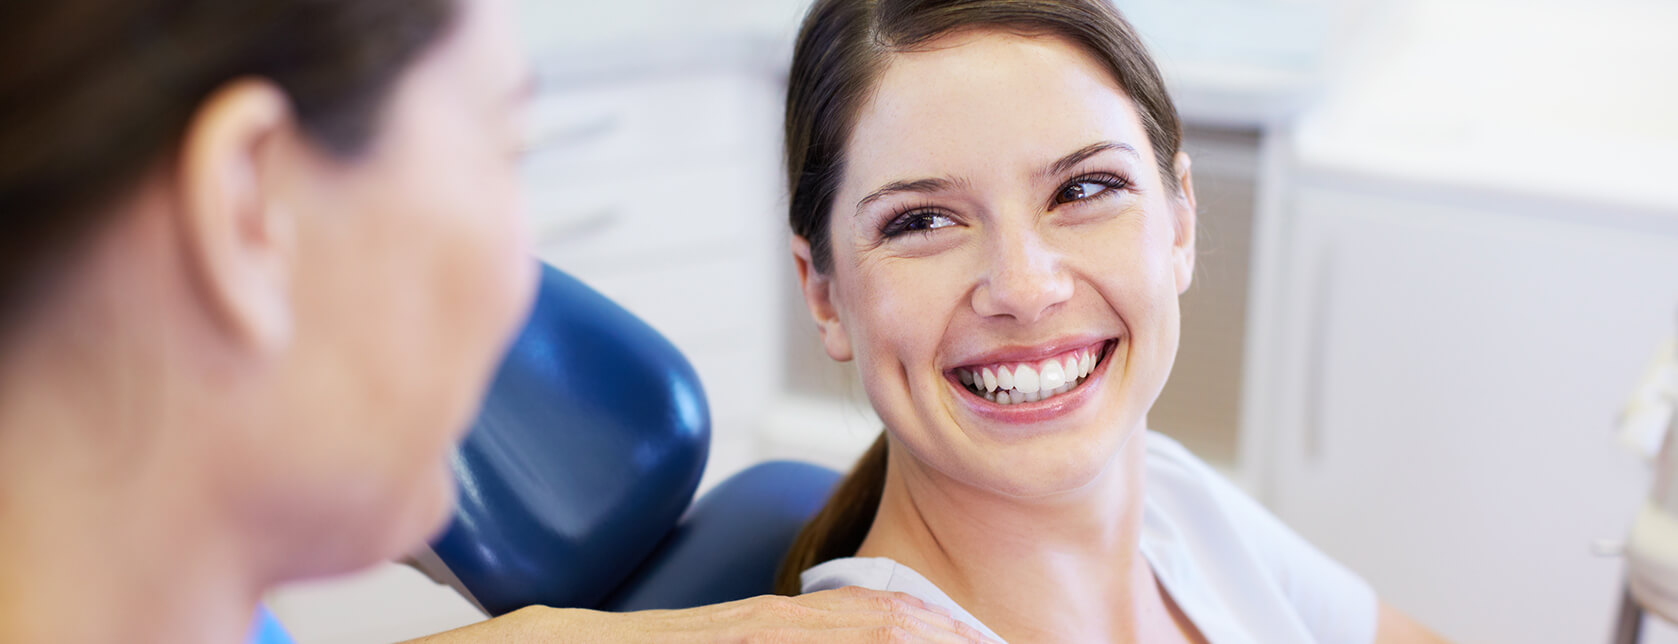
column 1439, row 242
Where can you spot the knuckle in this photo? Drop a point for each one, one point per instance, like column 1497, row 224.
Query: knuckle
column 892, row 635
column 780, row 606
column 903, row 621
column 902, row 604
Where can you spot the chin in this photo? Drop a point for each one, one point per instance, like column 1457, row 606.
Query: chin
column 1028, row 478
column 1052, row 464
column 418, row 513
column 435, row 512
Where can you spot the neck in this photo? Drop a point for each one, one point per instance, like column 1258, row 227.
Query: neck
column 103, row 536
column 1011, row 561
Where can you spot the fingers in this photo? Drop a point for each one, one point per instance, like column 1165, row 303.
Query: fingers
column 880, row 616
column 853, row 598
column 846, row 615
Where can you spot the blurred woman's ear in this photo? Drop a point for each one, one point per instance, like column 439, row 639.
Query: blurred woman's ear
column 1183, row 210
column 818, row 296
column 237, row 234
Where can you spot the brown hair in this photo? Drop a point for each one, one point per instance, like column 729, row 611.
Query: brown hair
column 93, row 92
column 841, row 49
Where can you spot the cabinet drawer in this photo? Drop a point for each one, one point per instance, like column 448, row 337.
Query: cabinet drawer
column 601, row 220
column 672, row 120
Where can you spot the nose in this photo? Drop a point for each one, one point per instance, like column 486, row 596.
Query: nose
column 1024, row 279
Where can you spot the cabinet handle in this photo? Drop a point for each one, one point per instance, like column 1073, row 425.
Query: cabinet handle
column 572, row 134
column 1317, row 353
column 571, row 229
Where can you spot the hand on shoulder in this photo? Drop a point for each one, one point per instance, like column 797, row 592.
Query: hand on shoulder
column 844, row 615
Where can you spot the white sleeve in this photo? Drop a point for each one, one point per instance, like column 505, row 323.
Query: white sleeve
column 1334, row 603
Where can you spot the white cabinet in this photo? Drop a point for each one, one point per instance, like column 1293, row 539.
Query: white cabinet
column 1446, row 372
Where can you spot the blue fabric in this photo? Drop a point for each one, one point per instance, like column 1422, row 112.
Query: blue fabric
column 267, row 630
column 585, row 454
column 731, row 543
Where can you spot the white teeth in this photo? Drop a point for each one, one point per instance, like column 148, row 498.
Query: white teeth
column 1023, row 383
column 1051, row 376
column 1025, row 379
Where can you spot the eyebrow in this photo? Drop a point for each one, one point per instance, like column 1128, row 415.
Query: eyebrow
column 1070, row 161
column 917, row 185
column 935, row 184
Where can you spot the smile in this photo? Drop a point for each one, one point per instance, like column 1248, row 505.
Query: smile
column 1017, row 383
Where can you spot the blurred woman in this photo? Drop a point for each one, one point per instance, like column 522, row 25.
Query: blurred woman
column 257, row 262
column 994, row 220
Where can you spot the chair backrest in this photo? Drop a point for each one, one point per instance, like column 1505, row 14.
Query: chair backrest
column 576, row 476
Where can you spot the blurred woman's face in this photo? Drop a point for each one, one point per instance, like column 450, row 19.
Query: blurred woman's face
column 412, row 275
column 1006, row 262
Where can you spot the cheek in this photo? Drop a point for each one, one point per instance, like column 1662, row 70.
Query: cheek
column 1130, row 260
column 445, row 281
column 901, row 307
column 483, row 259
column 900, row 310
column 483, row 278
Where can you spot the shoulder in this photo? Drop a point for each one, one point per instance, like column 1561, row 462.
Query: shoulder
column 1184, row 488
column 1212, row 544
column 881, row 573
column 1168, row 459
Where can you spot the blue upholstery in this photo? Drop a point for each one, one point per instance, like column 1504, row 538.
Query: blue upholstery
column 730, row 544
column 575, row 478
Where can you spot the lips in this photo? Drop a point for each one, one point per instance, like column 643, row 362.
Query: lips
column 1018, row 382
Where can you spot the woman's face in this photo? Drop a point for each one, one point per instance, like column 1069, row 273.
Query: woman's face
column 1006, row 262
column 412, row 274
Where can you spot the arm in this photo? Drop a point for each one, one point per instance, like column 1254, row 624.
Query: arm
column 842, row 615
column 1393, row 627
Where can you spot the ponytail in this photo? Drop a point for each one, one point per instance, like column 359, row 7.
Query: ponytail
column 839, row 528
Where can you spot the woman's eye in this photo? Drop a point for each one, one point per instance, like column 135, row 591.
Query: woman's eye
column 918, row 222
column 1082, row 189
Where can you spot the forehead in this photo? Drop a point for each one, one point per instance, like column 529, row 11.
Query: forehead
column 988, row 101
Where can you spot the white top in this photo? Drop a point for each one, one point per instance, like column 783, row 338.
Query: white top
column 1233, row 568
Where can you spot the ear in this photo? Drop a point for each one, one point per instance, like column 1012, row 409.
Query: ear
column 818, row 295
column 236, row 232
column 1183, row 209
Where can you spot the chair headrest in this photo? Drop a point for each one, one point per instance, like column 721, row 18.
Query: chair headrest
column 588, row 449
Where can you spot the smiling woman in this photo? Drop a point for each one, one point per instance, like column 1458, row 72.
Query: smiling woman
column 993, row 220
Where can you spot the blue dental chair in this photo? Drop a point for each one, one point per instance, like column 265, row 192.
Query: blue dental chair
column 576, row 479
